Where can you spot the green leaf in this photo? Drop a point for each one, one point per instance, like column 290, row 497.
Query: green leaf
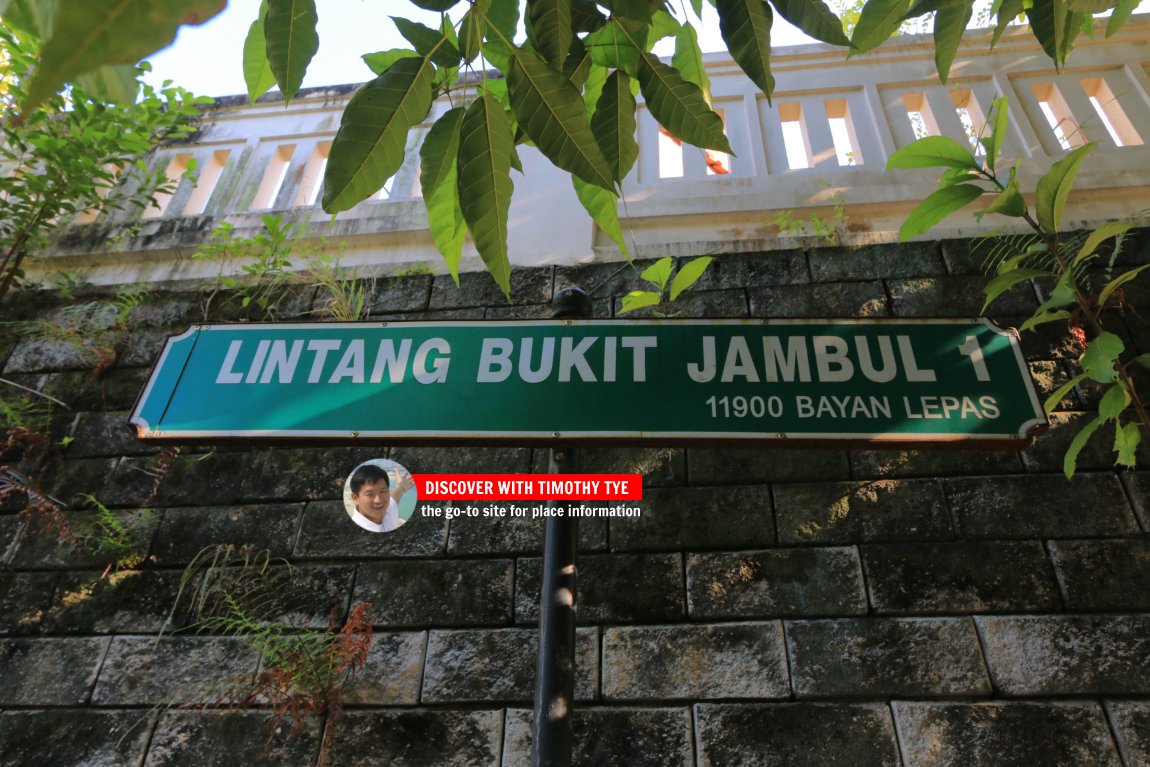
column 1054, row 188
column 878, row 21
column 550, row 110
column 593, row 88
column 1057, row 396
column 993, row 142
column 658, row 273
column 36, row 17
column 291, row 40
column 1126, row 440
column 949, row 25
column 372, row 137
column 439, row 6
column 98, row 32
column 1007, row 12
column 602, row 206
column 472, row 29
column 1079, row 442
column 635, row 10
column 381, row 60
column 428, row 42
column 438, row 178
column 1009, row 201
column 933, row 152
column 1097, row 362
column 485, row 146
column 936, row 207
column 689, row 274
column 1118, row 282
column 117, row 84
column 549, row 22
column 663, row 25
column 746, row 29
column 1054, row 25
column 814, row 18
column 616, row 46
column 688, row 59
column 1099, row 236
column 639, row 299
column 613, row 125
column 585, row 16
column 1121, row 14
column 1113, row 402
column 1043, row 318
column 258, row 74
column 679, row 106
column 503, row 15
column 1004, row 282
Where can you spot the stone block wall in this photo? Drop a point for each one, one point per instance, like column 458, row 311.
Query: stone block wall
column 768, row 607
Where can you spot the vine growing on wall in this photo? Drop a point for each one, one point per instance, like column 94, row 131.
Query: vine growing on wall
column 1082, row 286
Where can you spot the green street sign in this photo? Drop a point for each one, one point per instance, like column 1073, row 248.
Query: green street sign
column 658, row 382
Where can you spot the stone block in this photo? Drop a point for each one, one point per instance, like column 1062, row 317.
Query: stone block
column 135, row 480
column 884, row 464
column 315, row 597
column 1039, row 506
column 208, row 479
column 1104, row 574
column 392, row 674
column 772, row 584
column 418, row 738
column 956, row 297
column 192, row 739
column 464, row 460
column 515, row 535
column 389, row 295
column 303, row 474
column 877, row 658
column 963, row 257
column 659, row 467
column 141, row 671
column 787, row 734
column 40, row 354
column 1137, row 484
column 696, row 303
column 73, row 737
column 604, row 279
column 612, row 588
column 518, row 312
column 1068, row 654
column 1048, row 451
column 528, row 286
column 142, row 348
column 49, row 672
column 756, row 270
column 1131, row 720
column 849, row 512
column 23, row 599
column 328, row 532
column 173, row 310
column 125, row 601
column 185, row 532
column 960, row 577
column 10, row 527
column 1015, row 734
column 697, row 518
column 79, row 539
column 827, row 299
column 610, row 737
column 698, row 662
column 116, row 389
column 106, row 434
column 498, row 665
column 70, row 481
column 455, row 592
column 876, row 262
column 709, row 466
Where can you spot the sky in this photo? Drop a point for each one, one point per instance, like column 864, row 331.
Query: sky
column 207, row 59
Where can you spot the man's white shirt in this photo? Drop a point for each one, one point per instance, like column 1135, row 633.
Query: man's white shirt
column 390, row 519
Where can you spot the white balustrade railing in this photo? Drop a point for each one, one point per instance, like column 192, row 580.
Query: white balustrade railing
column 825, row 138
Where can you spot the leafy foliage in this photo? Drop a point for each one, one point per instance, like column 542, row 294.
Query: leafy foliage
column 1070, row 270
column 551, row 86
column 665, row 290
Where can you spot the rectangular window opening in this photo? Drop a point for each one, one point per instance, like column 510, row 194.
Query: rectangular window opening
column 384, row 192
column 718, row 163
column 207, row 182
column 971, row 116
column 274, row 177
column 177, row 166
column 1058, row 115
column 670, row 155
column 1110, row 112
column 843, row 132
column 921, row 118
column 795, row 137
column 91, row 214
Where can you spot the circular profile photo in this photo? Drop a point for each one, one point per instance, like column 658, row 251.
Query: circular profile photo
column 379, row 495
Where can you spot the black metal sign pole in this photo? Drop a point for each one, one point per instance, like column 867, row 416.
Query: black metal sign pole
column 555, row 668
